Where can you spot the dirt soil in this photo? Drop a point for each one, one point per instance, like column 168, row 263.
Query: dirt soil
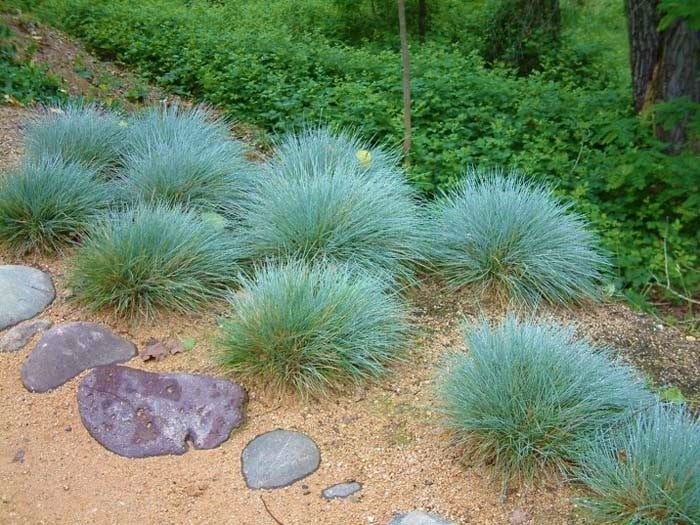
column 387, row 436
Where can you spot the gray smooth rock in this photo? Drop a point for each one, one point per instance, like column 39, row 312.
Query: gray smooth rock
column 18, row 336
column 66, row 350
column 418, row 517
column 140, row 414
column 341, row 490
column 24, row 292
column 278, row 459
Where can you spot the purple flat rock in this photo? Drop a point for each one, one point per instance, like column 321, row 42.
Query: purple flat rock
column 66, row 350
column 140, row 414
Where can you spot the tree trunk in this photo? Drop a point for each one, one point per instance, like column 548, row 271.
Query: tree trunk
column 665, row 65
column 406, row 77
column 422, row 19
column 645, row 45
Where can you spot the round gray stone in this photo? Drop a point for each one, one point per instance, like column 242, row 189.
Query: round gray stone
column 341, row 490
column 66, row 350
column 24, row 292
column 278, row 459
column 18, row 336
column 140, row 414
column 418, row 517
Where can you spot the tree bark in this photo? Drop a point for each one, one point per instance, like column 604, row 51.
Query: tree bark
column 422, row 19
column 645, row 46
column 406, row 77
column 665, row 65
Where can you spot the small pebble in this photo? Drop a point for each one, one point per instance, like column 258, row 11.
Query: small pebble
column 519, row 517
column 341, row 490
column 19, row 457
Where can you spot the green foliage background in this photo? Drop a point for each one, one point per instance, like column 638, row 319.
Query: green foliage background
column 20, row 79
column 282, row 63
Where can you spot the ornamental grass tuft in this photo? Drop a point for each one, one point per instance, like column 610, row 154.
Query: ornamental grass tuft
column 78, row 132
column 527, row 396
column 172, row 124
column 498, row 232
column 185, row 157
column 311, row 328
column 48, row 204
column 646, row 472
column 318, row 150
column 151, row 258
column 337, row 214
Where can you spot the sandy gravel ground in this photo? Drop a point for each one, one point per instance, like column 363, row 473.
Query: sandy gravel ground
column 387, row 437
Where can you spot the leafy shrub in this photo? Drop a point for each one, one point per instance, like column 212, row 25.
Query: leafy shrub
column 337, row 213
column 48, row 204
column 527, row 396
column 83, row 133
column 647, row 472
column 316, row 151
column 499, row 231
column 313, row 327
column 152, row 258
column 519, row 31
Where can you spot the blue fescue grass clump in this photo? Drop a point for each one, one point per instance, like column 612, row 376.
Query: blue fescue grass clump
column 311, row 328
column 338, row 214
column 499, row 232
column 78, row 132
column 172, row 124
column 527, row 396
column 646, row 472
column 210, row 178
column 317, row 150
column 48, row 204
column 185, row 157
column 150, row 258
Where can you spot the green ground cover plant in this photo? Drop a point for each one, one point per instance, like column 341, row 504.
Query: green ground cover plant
column 498, row 231
column 647, row 472
column 149, row 258
column 21, row 80
column 570, row 121
column 48, row 204
column 528, row 396
column 341, row 213
column 313, row 328
column 78, row 132
column 184, row 157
